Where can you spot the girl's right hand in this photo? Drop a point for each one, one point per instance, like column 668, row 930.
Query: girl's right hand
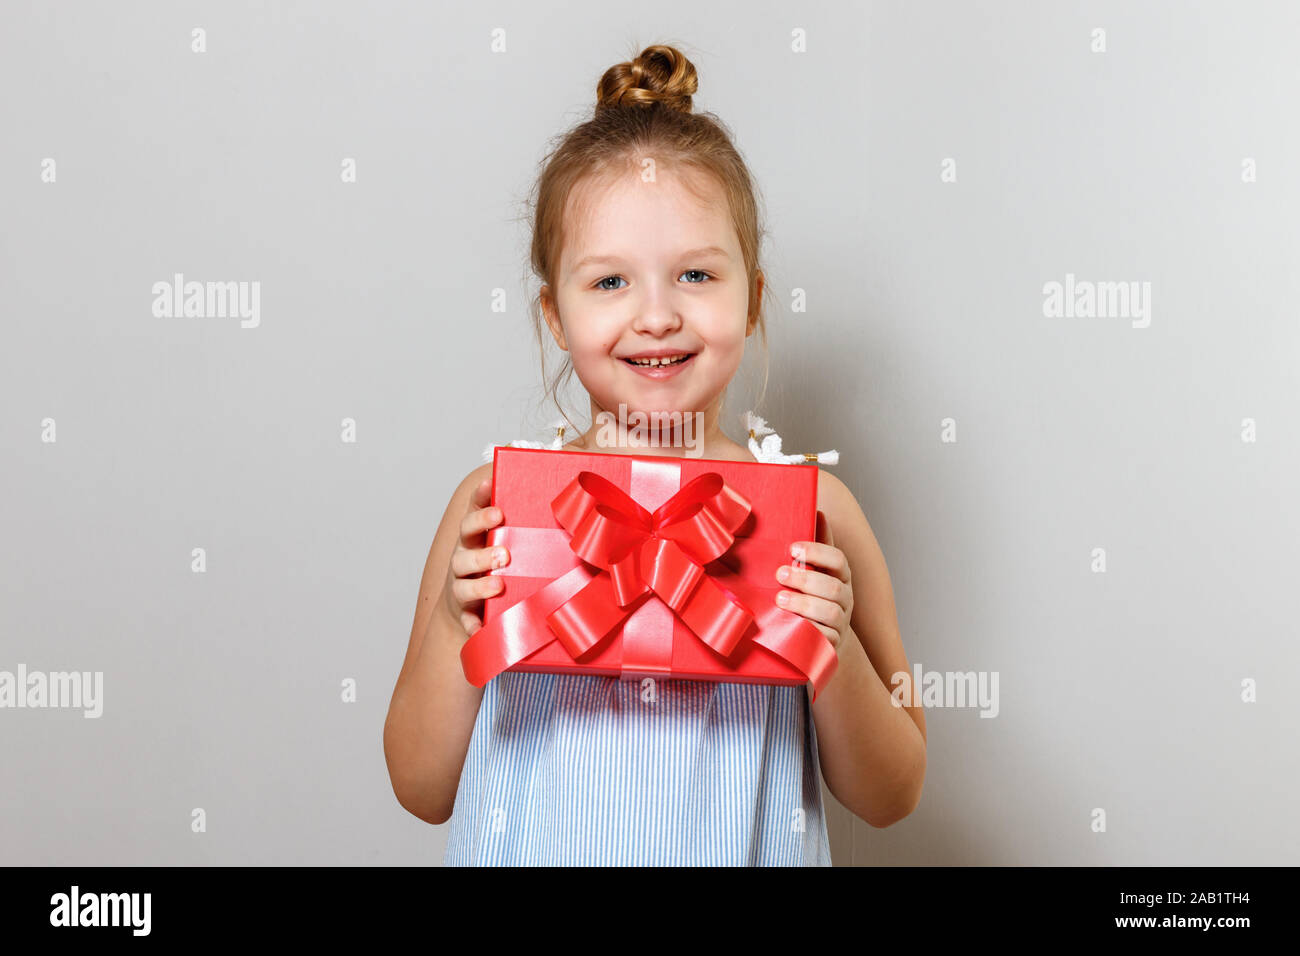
column 467, row 581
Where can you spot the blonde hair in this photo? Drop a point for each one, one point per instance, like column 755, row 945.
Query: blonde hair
column 643, row 107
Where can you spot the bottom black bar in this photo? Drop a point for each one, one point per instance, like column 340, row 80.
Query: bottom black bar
column 917, row 904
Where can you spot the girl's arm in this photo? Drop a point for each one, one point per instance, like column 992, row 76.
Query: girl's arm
column 872, row 752
column 433, row 709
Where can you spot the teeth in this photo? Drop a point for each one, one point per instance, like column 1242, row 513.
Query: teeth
column 653, row 362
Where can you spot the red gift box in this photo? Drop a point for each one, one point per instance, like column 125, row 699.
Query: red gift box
column 637, row 566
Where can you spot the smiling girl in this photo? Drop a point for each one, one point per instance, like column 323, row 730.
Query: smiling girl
column 646, row 241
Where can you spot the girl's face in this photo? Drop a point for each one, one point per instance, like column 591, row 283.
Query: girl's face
column 650, row 267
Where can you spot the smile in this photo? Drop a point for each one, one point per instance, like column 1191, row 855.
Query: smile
column 660, row 368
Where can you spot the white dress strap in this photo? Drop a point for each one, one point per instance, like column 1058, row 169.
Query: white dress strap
column 764, row 444
column 555, row 443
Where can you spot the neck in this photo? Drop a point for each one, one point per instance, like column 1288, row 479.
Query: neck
column 669, row 435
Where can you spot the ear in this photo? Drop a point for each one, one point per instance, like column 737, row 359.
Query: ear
column 751, row 322
column 552, row 316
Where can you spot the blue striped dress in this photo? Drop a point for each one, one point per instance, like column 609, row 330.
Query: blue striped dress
column 587, row 770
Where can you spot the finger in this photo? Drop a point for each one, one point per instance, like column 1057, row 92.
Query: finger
column 475, row 522
column 482, row 495
column 823, row 532
column 817, row 583
column 825, row 556
column 470, row 622
column 467, row 561
column 469, row 591
column 816, row 609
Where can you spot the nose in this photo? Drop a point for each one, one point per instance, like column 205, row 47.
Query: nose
column 656, row 315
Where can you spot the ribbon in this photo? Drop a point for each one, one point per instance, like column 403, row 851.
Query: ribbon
column 663, row 552
column 639, row 553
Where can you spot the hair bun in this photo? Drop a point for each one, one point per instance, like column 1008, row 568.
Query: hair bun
column 659, row 74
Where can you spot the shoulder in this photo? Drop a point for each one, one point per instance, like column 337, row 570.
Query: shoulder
column 477, row 474
column 834, row 497
column 465, row 489
column 850, row 530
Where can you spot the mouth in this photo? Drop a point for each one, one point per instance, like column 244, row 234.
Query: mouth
column 661, row 367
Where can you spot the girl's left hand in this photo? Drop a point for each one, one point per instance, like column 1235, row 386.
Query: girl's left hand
column 823, row 596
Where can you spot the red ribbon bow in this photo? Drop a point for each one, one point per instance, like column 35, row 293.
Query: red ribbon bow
column 663, row 552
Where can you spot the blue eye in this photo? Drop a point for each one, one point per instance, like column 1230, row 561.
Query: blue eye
column 699, row 272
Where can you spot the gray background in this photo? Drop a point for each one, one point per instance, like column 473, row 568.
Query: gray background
column 1118, row 690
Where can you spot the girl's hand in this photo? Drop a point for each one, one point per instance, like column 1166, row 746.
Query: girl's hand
column 823, row 596
column 467, row 583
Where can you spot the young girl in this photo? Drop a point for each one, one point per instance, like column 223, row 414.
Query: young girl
column 646, row 241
